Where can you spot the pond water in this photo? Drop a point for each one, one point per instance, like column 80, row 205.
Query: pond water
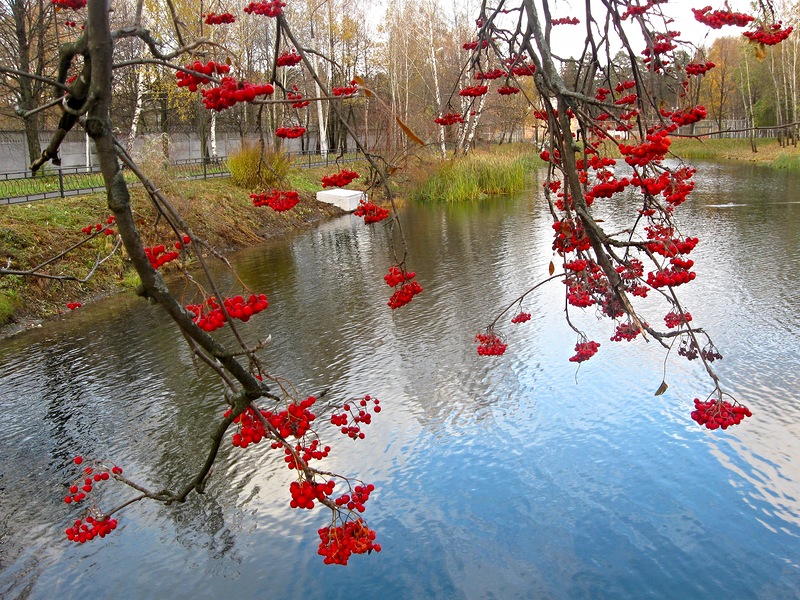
column 510, row 477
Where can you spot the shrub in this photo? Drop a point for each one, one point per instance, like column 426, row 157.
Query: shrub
column 250, row 169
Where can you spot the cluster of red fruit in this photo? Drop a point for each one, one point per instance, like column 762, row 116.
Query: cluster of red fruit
column 340, row 179
column 717, row 18
column 230, row 92
column 521, row 317
column 71, row 4
column 72, row 24
column 158, row 256
column 493, row 74
column 73, row 305
column 672, row 276
column 449, row 119
column 357, row 498
column 90, row 229
column 288, row 59
column 699, row 68
column 474, row 91
column 82, row 532
column 337, row 544
column 371, row 212
column 507, row 90
column 346, row 90
column 219, row 19
column 629, row 99
column 278, row 200
column 490, row 344
column 289, row 132
column 654, row 148
column 210, row 317
column 407, row 288
column 524, row 70
column 304, row 494
column 566, row 21
column 191, row 80
column 626, row 332
column 770, row 36
column 673, row 319
column 473, row 45
column 584, row 351
column 351, row 417
column 633, row 10
column 687, row 117
column 719, row 414
column 299, row 98
column 570, row 236
column 273, row 8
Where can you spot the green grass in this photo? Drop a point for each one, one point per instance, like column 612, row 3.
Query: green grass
column 785, row 160
column 475, row 176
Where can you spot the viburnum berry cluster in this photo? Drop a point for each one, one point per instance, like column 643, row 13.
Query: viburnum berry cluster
column 208, row 70
column 209, row 316
column 70, row 4
column 298, row 97
column 231, row 92
column 449, row 119
column 219, row 19
column 507, row 90
column 342, row 178
column 474, row 45
column 277, row 200
column 346, row 90
column 716, row 19
column 290, row 132
column 474, row 91
column 489, row 75
column 566, row 21
column 338, row 543
column 288, row 59
column 73, row 305
column 403, row 283
column 699, row 68
column 718, row 413
column 490, row 344
column 769, row 35
column 584, row 351
column 521, row 317
column 371, row 212
column 354, row 414
column 90, row 229
column 273, row 8
column 94, row 524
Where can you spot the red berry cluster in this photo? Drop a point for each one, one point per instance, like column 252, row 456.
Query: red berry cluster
column 340, row 179
column 230, row 92
column 158, row 255
column 629, row 99
column 82, row 532
column 219, row 19
column 299, row 97
column 474, row 91
column 634, row 10
column 493, row 74
column 626, row 332
column 490, row 344
column 473, row 45
column 90, row 229
column 71, row 4
column 357, row 498
column 653, row 149
column 346, row 90
column 449, row 119
column 719, row 414
column 673, row 319
column 304, row 494
column 273, row 8
column 566, row 21
column 584, row 351
column 693, row 115
column 507, row 90
column 278, row 200
column 288, row 59
column 337, row 544
column 289, row 132
column 73, row 305
column 672, row 276
column 769, row 36
column 699, row 68
column 524, row 70
column 371, row 212
column 209, row 316
column 407, row 288
column 717, row 18
column 71, row 24
column 570, row 235
column 521, row 317
column 352, row 416
column 209, row 69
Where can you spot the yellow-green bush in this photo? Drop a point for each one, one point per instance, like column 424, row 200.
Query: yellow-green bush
column 252, row 170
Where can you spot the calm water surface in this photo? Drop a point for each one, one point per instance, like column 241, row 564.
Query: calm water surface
column 516, row 477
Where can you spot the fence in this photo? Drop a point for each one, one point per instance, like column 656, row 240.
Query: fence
column 59, row 182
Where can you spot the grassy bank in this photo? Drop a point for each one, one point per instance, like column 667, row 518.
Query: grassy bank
column 769, row 152
column 503, row 171
column 217, row 211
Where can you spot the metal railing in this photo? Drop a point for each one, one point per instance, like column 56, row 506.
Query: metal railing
column 59, row 182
